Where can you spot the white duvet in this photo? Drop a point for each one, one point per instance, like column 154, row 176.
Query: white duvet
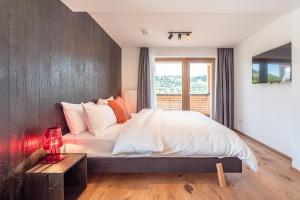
column 183, row 133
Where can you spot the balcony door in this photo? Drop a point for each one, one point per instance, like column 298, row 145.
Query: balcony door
column 184, row 84
column 168, row 85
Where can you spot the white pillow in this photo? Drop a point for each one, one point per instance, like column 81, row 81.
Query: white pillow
column 105, row 101
column 75, row 118
column 99, row 117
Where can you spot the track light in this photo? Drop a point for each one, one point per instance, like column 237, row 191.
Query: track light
column 187, row 34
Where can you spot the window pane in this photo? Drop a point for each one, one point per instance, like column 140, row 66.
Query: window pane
column 198, row 78
column 168, row 85
column 199, row 87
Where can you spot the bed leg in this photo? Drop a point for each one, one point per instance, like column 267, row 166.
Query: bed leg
column 221, row 176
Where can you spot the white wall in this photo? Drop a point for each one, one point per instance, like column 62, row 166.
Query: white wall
column 263, row 111
column 270, row 113
column 130, row 63
column 295, row 17
column 186, row 52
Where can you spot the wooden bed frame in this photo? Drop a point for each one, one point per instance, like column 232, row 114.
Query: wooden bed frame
column 166, row 165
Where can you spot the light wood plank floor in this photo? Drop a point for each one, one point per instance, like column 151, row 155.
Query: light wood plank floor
column 276, row 180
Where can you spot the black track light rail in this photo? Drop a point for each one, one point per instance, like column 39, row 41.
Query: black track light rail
column 179, row 33
column 184, row 33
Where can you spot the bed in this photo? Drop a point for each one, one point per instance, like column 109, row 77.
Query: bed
column 163, row 142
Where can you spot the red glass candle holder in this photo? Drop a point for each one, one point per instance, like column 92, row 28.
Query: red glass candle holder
column 52, row 143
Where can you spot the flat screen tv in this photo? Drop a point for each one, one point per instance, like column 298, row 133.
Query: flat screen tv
column 273, row 66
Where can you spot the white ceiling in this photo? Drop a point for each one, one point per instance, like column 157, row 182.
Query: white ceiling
column 209, row 30
column 214, row 23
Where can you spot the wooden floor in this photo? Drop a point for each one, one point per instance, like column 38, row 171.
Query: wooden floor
column 275, row 180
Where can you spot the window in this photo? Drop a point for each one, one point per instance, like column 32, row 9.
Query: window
column 200, row 87
column 184, row 84
column 168, row 85
column 199, row 78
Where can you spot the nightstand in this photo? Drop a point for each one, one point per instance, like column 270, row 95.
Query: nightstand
column 63, row 180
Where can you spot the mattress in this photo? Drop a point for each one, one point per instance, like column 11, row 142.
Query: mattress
column 94, row 146
column 102, row 146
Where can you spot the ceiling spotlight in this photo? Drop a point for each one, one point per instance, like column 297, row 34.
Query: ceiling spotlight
column 188, row 36
column 170, row 36
column 179, row 36
column 145, row 32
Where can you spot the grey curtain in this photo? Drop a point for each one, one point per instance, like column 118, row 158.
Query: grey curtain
column 224, row 108
column 143, row 92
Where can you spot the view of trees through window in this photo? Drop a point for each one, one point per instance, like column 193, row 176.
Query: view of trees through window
column 168, row 79
column 198, row 78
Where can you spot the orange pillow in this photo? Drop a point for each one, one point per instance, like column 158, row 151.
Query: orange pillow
column 119, row 111
column 120, row 100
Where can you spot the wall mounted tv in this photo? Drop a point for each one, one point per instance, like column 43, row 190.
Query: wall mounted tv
column 273, row 66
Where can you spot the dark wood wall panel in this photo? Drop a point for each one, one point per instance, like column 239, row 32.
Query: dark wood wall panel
column 79, row 59
column 32, row 66
column 44, row 87
column 48, row 54
column 17, row 83
column 4, row 91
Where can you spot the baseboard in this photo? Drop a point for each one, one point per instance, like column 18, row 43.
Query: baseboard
column 264, row 145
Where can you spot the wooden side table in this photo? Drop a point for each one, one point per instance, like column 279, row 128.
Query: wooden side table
column 67, row 178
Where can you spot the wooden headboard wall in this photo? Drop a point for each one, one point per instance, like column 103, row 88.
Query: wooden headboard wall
column 48, row 54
